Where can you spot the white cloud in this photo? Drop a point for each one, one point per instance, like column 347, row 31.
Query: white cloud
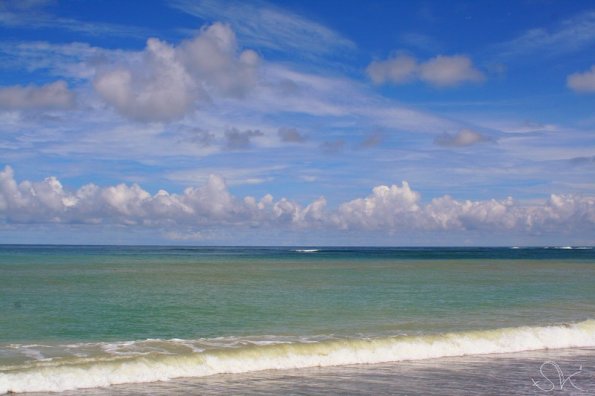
column 55, row 95
column 440, row 71
column 165, row 82
column 209, row 204
column 464, row 137
column 388, row 208
column 582, row 82
column 158, row 89
column 447, row 71
column 449, row 214
column 213, row 59
column 400, row 69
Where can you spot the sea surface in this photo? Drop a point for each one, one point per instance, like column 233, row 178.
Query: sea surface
column 131, row 320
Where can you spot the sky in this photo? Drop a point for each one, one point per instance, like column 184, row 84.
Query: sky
column 396, row 123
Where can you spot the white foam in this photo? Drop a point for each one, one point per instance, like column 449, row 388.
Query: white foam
column 73, row 374
column 307, row 250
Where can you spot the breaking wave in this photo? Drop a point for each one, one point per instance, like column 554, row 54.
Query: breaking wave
column 103, row 364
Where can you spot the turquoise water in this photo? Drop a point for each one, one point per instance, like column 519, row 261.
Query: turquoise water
column 65, row 307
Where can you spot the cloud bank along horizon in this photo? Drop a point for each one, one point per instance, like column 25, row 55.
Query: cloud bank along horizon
column 394, row 209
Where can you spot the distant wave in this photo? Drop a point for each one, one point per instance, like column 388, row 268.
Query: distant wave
column 307, row 250
column 160, row 360
column 574, row 247
column 557, row 247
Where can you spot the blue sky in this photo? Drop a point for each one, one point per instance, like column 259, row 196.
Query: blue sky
column 297, row 122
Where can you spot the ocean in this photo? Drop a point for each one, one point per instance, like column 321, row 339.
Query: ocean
column 132, row 320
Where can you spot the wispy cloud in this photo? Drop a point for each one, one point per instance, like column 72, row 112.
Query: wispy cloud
column 34, row 14
column 464, row 137
column 233, row 176
column 72, row 61
column 570, row 35
column 262, row 25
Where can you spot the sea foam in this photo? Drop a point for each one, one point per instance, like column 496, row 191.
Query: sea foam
column 110, row 369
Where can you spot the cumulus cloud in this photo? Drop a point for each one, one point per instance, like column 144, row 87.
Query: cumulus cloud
column 165, row 82
column 464, row 137
column 159, row 89
column 290, row 135
column 48, row 202
column 388, row 208
column 400, row 69
column 399, row 208
column 448, row 71
column 440, row 71
column 582, row 82
column 55, row 95
column 214, row 60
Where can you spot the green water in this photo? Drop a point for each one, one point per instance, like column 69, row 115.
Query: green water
column 74, row 294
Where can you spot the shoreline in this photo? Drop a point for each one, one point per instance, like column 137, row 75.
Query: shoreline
column 506, row 373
